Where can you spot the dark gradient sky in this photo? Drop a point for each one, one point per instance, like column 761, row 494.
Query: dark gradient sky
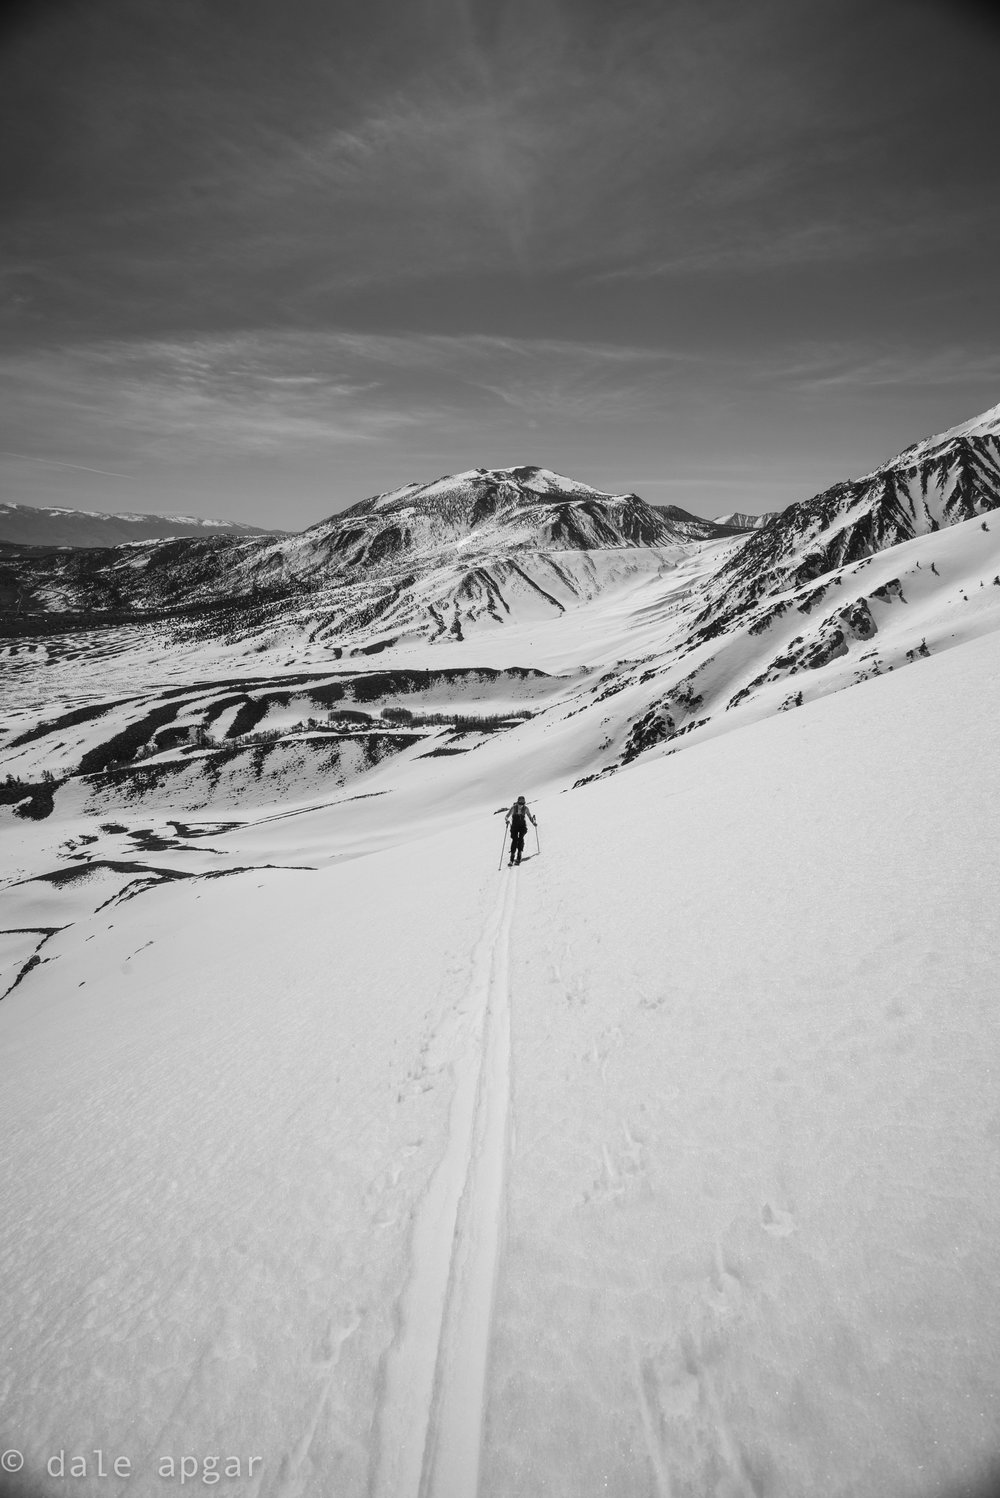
column 262, row 258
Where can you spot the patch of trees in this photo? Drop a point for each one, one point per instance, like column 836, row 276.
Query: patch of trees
column 461, row 722
column 123, row 747
column 37, row 796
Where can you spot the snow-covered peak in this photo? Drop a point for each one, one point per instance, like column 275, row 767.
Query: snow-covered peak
column 545, row 481
column 525, row 481
column 987, row 424
column 493, row 510
column 394, row 496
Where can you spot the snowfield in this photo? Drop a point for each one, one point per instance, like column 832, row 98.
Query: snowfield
column 343, row 1161
column 666, row 1164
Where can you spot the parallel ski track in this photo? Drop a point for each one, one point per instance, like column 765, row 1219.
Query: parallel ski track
column 434, row 1379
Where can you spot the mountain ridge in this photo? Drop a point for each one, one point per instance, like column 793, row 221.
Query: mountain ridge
column 933, row 484
column 651, row 638
column 50, row 525
column 479, row 533
column 525, row 507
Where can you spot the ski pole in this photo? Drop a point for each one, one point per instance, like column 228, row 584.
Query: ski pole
column 503, row 847
column 537, row 842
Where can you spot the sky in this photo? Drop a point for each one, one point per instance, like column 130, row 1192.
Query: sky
column 259, row 261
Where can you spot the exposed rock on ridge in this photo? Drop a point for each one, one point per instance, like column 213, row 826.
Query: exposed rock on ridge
column 934, row 484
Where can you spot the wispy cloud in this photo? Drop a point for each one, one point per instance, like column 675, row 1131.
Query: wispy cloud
column 913, row 230
column 820, row 369
column 622, row 187
column 174, row 419
column 105, row 473
column 543, row 139
column 117, row 406
column 259, row 393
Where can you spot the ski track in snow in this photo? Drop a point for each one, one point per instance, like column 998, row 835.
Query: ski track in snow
column 431, row 1410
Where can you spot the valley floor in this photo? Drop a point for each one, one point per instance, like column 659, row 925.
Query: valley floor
column 666, row 1164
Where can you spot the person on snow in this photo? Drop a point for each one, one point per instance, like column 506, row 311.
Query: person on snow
column 517, row 820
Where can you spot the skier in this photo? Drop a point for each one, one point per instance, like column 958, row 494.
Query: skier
column 517, row 820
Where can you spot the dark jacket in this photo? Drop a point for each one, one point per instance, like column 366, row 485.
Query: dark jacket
column 516, row 817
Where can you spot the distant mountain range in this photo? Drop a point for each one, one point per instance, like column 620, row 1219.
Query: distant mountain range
column 479, row 546
column 497, row 492
column 739, row 520
column 27, row 525
column 619, row 628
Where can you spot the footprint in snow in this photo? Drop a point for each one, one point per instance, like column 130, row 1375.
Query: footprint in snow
column 326, row 1349
column 623, row 1169
column 724, row 1290
column 776, row 1221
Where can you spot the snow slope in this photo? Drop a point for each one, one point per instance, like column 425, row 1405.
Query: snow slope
column 937, row 483
column 620, row 669
column 986, row 424
column 666, row 1164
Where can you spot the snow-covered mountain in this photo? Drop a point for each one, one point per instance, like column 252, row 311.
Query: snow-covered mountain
column 499, row 508
column 695, row 527
column 424, row 561
column 936, row 483
column 633, row 1169
column 742, row 521
column 648, row 637
column 661, row 1164
column 864, row 578
column 485, row 512
column 30, row 525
